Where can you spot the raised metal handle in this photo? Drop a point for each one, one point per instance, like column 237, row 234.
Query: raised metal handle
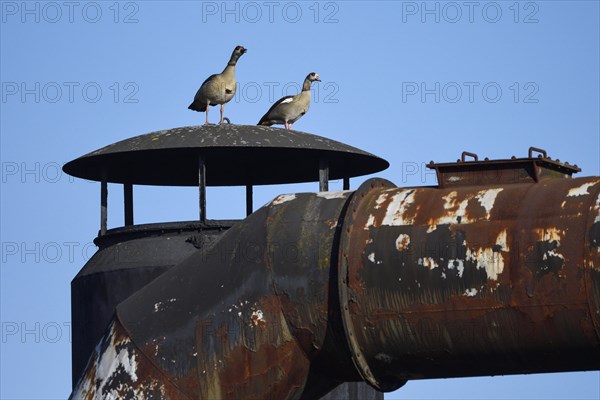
column 466, row 153
column 541, row 151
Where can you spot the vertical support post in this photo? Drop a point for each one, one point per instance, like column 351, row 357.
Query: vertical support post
column 103, row 200
column 248, row 200
column 202, row 187
column 323, row 175
column 128, row 200
column 346, row 183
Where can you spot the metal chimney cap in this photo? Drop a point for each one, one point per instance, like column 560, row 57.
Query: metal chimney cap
column 235, row 155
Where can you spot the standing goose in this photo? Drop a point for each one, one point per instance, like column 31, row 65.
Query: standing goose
column 289, row 109
column 218, row 88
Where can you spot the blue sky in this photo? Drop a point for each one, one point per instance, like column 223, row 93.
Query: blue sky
column 408, row 81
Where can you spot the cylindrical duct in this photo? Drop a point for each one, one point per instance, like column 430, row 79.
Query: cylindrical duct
column 472, row 281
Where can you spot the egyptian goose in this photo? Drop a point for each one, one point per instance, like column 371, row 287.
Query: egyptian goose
column 289, row 109
column 218, row 88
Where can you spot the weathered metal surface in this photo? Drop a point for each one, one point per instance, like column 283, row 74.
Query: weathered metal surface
column 383, row 284
column 497, row 279
column 486, row 172
column 234, row 155
column 245, row 318
column 118, row 370
column 127, row 259
column 592, row 260
column 346, row 295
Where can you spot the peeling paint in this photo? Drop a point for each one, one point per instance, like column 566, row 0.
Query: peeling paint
column 459, row 264
column 501, row 241
column 487, row 198
column 370, row 221
column 333, row 195
column 449, row 200
column 471, row 292
column 113, row 373
column 402, row 242
column 552, row 253
column 597, row 208
column 112, row 360
column 257, row 318
column 427, row 262
column 283, row 198
column 394, row 215
column 380, row 200
column 581, row 190
column 488, row 259
column 456, row 210
column 371, row 258
column 453, row 217
column 160, row 306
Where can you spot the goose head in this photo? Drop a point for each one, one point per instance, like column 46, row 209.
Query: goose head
column 313, row 76
column 237, row 52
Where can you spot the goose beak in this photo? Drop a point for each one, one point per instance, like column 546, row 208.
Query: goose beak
column 318, row 78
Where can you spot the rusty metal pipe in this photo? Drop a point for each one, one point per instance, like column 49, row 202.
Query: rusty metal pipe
column 383, row 284
column 472, row 280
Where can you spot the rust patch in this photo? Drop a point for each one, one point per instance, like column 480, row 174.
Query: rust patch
column 272, row 372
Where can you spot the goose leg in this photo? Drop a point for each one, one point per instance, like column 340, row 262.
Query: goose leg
column 207, row 107
column 222, row 109
column 287, row 125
